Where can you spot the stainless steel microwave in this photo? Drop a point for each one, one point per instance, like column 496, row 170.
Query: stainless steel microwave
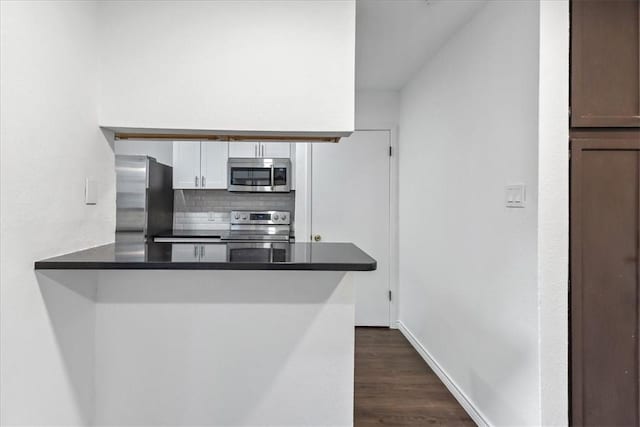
column 259, row 175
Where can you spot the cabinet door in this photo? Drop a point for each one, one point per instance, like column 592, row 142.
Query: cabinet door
column 185, row 252
column 605, row 58
column 213, row 164
column 275, row 149
column 605, row 209
column 186, row 164
column 216, row 252
column 243, row 149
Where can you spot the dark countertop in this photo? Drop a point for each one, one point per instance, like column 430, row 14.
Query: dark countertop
column 214, row 256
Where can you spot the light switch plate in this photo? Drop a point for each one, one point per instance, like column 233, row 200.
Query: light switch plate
column 90, row 192
column 515, row 196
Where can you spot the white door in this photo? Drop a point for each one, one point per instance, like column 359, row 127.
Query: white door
column 279, row 150
column 351, row 203
column 186, row 164
column 243, row 149
column 213, row 164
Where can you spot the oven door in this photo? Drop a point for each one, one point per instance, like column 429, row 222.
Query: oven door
column 258, row 252
column 259, row 175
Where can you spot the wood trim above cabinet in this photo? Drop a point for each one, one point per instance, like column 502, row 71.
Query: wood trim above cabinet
column 223, row 138
column 605, row 63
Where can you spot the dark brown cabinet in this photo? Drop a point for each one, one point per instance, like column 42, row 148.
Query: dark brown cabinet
column 605, row 230
column 605, row 213
column 605, row 63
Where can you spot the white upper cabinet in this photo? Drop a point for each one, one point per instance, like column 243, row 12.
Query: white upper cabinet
column 260, row 149
column 186, row 164
column 240, row 67
column 200, row 165
column 213, row 164
column 276, row 149
column 243, row 149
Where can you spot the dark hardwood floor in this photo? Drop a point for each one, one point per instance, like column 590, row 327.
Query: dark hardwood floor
column 395, row 387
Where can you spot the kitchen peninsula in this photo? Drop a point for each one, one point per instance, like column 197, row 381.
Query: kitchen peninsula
column 214, row 256
column 186, row 340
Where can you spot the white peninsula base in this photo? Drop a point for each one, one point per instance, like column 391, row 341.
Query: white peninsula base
column 216, row 347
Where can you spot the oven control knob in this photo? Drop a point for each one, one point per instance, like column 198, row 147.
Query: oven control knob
column 237, row 216
column 284, row 217
column 244, row 217
column 275, row 217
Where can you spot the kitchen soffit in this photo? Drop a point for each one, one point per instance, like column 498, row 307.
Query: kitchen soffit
column 199, row 135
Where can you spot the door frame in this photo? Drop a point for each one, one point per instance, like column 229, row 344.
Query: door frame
column 303, row 201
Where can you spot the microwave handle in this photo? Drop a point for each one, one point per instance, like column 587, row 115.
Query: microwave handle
column 273, row 178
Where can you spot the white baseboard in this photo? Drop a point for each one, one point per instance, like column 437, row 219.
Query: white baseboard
column 462, row 398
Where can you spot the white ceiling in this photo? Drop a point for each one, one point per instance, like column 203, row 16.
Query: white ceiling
column 394, row 38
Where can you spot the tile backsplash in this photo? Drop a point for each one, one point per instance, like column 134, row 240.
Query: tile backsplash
column 209, row 209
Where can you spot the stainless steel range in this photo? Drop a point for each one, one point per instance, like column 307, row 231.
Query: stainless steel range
column 259, row 226
column 245, row 227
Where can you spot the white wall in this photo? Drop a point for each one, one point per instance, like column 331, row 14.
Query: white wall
column 161, row 150
column 228, row 65
column 468, row 265
column 50, row 143
column 377, row 109
column 553, row 212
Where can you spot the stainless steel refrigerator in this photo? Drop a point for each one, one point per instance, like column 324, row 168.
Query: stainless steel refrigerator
column 144, row 199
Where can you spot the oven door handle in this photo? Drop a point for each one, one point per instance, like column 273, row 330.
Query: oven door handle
column 273, row 178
